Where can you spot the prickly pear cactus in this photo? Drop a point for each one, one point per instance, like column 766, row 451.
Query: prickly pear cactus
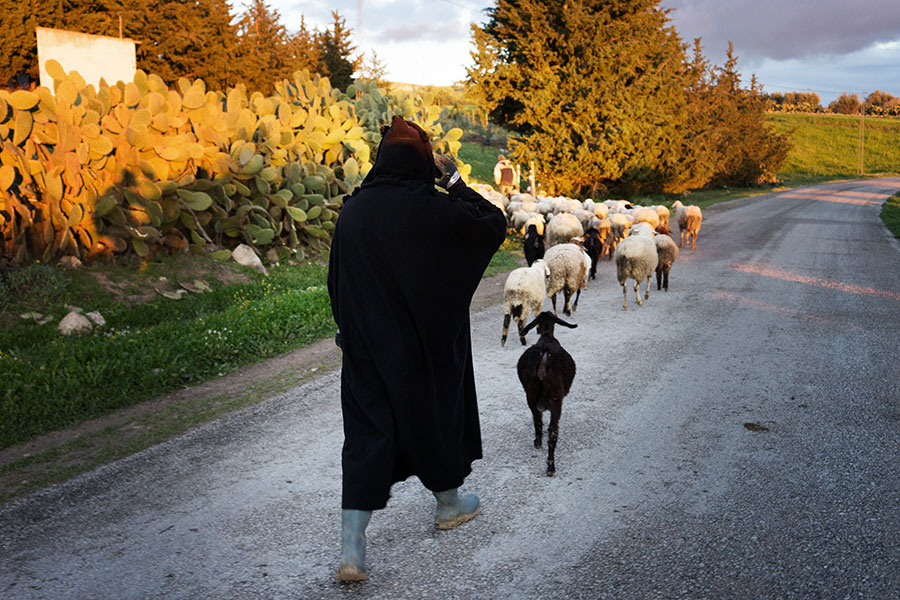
column 141, row 167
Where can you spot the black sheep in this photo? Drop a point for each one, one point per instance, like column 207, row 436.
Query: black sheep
column 593, row 245
column 546, row 371
column 534, row 245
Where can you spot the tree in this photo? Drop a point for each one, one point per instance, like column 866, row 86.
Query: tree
column 304, row 49
column 695, row 161
column 175, row 39
column 372, row 69
column 845, row 104
column 881, row 103
column 336, row 51
column 263, row 52
column 190, row 39
column 594, row 90
column 745, row 151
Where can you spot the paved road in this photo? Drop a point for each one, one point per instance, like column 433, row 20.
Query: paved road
column 786, row 316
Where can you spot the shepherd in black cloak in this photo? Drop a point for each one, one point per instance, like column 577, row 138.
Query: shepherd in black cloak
column 405, row 261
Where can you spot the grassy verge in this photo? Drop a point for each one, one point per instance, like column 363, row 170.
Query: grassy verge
column 890, row 214
column 131, row 432
column 49, row 381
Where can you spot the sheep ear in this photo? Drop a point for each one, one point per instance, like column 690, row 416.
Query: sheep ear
column 530, row 326
column 559, row 321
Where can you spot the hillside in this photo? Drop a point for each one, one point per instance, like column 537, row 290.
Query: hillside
column 828, row 146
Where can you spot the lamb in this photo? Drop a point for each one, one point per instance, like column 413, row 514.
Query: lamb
column 534, row 244
column 546, row 371
column 569, row 265
column 636, row 258
column 562, row 228
column 523, row 296
column 667, row 251
column 689, row 219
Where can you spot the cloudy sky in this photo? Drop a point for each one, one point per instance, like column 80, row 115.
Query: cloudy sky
column 824, row 46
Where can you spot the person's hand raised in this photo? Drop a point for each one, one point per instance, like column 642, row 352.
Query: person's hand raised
column 450, row 174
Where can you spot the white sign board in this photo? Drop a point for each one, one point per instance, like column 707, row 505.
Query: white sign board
column 93, row 56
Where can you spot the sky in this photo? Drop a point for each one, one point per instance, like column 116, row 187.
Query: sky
column 824, row 46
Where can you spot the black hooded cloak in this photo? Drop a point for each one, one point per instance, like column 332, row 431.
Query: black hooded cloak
column 405, row 262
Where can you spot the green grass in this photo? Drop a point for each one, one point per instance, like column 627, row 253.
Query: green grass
column 890, row 214
column 482, row 159
column 827, row 146
column 49, row 381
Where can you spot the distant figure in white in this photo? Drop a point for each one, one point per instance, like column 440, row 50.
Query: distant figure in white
column 506, row 177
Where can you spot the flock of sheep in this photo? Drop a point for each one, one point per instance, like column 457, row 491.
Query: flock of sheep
column 563, row 241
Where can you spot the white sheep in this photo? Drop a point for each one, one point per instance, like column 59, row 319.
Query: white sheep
column 584, row 217
column 523, row 296
column 689, row 219
column 636, row 258
column 619, row 225
column 646, row 214
column 569, row 266
column 643, row 228
column 562, row 228
column 601, row 210
column 663, row 213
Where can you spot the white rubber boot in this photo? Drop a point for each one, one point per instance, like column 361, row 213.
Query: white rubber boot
column 453, row 510
column 353, row 545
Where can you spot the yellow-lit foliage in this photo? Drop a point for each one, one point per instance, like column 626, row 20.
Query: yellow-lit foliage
column 138, row 167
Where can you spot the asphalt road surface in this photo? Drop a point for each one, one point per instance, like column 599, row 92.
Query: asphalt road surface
column 736, row 437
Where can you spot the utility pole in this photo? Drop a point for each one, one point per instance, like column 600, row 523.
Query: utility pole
column 860, row 159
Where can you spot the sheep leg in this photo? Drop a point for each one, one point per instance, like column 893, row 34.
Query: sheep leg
column 681, row 243
column 625, row 293
column 577, row 296
column 658, row 279
column 553, row 302
column 694, row 239
column 567, row 294
column 647, row 291
column 506, row 329
column 666, row 279
column 521, row 324
column 538, row 428
column 552, row 436
column 637, row 291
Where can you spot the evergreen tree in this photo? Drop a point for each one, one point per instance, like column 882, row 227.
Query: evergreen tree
column 190, row 39
column 304, row 49
column 263, row 52
column 594, row 89
column 336, row 51
column 746, row 151
column 175, row 39
column 694, row 165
